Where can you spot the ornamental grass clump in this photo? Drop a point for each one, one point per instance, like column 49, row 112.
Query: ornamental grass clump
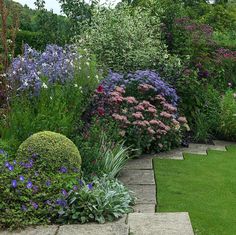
column 145, row 108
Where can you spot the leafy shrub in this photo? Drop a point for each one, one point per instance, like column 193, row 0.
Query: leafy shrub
column 144, row 107
column 199, row 102
column 227, row 128
column 51, row 148
column 126, row 39
column 103, row 200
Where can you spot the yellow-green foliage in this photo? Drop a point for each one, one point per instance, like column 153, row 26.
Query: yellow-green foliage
column 52, row 150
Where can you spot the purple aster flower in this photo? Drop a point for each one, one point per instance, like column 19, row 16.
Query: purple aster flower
column 61, row 202
column 22, row 178
column 81, row 183
column 36, row 173
column 48, row 202
column 64, row 192
column 35, row 188
column 29, row 185
column 48, row 183
column 35, row 205
column 23, row 208
column 2, row 151
column 7, row 164
column 63, row 170
column 90, row 186
column 75, row 188
column 35, row 155
column 14, row 183
column 10, row 167
column 75, row 169
column 14, row 162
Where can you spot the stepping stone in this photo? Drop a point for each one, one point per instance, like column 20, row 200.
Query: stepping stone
column 160, row 223
column 145, row 194
column 223, row 143
column 217, row 147
column 143, row 163
column 40, row 230
column 175, row 154
column 140, row 177
column 196, row 149
column 113, row 228
column 144, row 208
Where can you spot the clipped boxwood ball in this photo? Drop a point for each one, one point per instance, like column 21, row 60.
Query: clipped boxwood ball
column 49, row 151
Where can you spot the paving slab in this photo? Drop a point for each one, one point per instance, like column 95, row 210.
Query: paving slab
column 142, row 163
column 160, row 224
column 217, row 147
column 40, row 230
column 145, row 194
column 115, row 228
column 140, row 177
column 145, row 208
column 223, row 143
column 175, row 154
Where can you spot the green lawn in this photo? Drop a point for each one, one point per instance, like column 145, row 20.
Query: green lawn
column 204, row 186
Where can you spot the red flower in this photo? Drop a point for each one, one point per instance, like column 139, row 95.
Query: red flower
column 100, row 89
column 101, row 111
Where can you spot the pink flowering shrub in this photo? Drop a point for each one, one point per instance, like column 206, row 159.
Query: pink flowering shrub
column 146, row 119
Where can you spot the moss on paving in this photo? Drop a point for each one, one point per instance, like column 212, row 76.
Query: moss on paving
column 204, row 186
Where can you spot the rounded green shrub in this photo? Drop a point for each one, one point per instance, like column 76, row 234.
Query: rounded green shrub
column 51, row 151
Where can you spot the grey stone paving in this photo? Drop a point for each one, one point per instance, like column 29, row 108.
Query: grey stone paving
column 40, row 230
column 145, row 208
column 116, row 228
column 160, row 224
column 137, row 177
column 145, row 194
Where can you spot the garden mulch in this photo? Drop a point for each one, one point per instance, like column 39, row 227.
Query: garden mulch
column 138, row 176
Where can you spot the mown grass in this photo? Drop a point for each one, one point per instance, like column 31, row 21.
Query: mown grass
column 204, row 186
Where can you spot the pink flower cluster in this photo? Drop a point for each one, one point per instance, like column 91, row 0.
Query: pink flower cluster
column 152, row 119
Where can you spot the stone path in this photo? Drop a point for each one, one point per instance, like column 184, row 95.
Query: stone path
column 138, row 176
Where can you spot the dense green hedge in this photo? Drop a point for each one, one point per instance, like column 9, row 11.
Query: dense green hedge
column 35, row 39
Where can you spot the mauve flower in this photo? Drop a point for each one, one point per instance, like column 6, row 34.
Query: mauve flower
column 138, row 115
column 101, row 111
column 139, row 107
column 7, row 164
column 151, row 110
column 182, row 120
column 151, row 131
column 131, row 100
column 165, row 115
column 154, row 122
column 48, row 183
column 14, row 183
column 120, row 89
